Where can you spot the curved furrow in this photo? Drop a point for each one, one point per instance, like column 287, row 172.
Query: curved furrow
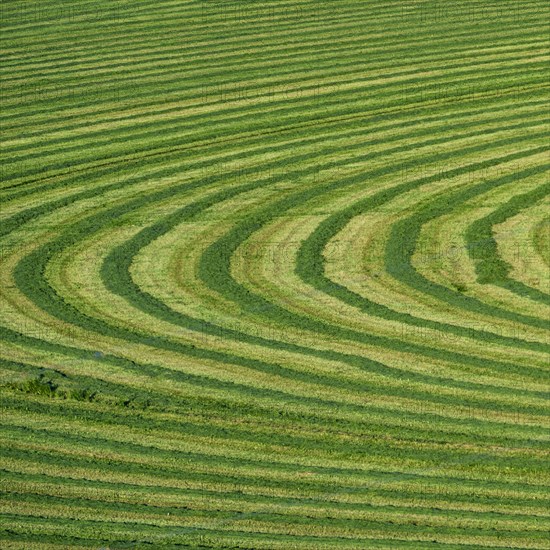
column 489, row 267
column 432, row 252
column 517, row 241
column 445, row 255
column 34, row 265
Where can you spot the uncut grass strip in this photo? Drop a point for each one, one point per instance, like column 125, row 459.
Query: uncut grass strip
column 481, row 469
column 490, row 268
column 89, row 388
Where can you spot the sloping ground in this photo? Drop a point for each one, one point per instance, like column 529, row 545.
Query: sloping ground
column 275, row 275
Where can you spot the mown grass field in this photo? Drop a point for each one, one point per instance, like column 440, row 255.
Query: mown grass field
column 275, row 275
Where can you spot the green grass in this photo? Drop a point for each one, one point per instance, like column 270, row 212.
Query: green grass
column 230, row 313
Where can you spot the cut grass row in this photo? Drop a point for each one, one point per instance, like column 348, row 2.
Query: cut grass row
column 167, row 383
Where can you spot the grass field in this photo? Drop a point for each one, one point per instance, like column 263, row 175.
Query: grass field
column 275, row 275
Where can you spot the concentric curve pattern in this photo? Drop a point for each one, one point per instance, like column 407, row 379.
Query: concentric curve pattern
column 275, row 275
